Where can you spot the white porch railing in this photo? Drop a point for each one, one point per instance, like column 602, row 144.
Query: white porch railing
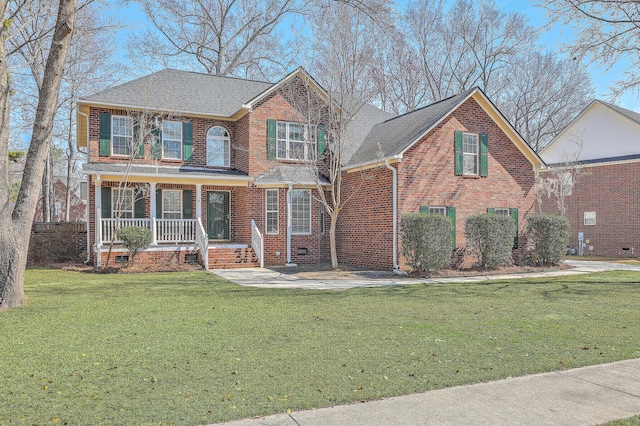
column 257, row 242
column 175, row 230
column 110, row 226
column 202, row 241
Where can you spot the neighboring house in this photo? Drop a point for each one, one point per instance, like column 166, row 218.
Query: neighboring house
column 596, row 158
column 77, row 205
column 226, row 171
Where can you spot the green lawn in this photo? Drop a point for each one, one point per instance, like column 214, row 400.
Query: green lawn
column 188, row 348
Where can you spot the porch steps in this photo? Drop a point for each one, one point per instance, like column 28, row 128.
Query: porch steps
column 226, row 258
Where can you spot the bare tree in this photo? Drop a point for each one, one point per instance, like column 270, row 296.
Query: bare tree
column 544, row 95
column 14, row 239
column 222, row 37
column 607, row 31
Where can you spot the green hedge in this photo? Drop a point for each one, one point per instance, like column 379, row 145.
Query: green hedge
column 490, row 238
column 549, row 235
column 426, row 241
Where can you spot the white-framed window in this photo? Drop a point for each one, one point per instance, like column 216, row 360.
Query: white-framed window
column 470, row 151
column 218, row 147
column 502, row 211
column 300, row 211
column 121, row 135
column 172, row 140
column 438, row 210
column 296, row 141
column 565, row 180
column 272, row 211
column 171, row 204
column 122, row 202
column 84, row 190
column 589, row 218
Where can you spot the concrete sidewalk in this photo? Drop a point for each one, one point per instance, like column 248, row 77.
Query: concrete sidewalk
column 582, row 396
column 268, row 278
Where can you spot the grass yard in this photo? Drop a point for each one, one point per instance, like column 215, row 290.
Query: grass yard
column 188, row 348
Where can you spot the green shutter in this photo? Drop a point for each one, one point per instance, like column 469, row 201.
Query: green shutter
column 187, row 207
column 158, row 203
column 491, row 210
column 451, row 212
column 484, row 154
column 156, row 136
column 138, row 204
column 424, row 209
column 137, row 139
column 187, row 140
column 322, row 144
column 105, row 134
column 459, row 155
column 514, row 215
column 105, row 194
column 271, row 139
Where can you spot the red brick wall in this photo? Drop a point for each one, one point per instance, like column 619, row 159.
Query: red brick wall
column 365, row 226
column 238, row 157
column 426, row 177
column 612, row 192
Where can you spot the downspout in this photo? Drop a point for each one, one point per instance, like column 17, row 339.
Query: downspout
column 87, row 212
column 396, row 267
column 289, row 263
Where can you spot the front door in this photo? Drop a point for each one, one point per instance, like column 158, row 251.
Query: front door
column 218, row 215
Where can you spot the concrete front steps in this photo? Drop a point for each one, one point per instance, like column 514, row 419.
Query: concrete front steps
column 232, row 256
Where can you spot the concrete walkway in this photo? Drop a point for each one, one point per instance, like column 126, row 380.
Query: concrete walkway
column 262, row 277
column 582, row 396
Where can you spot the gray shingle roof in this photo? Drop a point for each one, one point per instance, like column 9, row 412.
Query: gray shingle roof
column 290, row 174
column 627, row 113
column 394, row 135
column 183, row 92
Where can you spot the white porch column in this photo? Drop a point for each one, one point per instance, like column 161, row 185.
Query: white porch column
column 152, row 212
column 98, row 218
column 199, row 201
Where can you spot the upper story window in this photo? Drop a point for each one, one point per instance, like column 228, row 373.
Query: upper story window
column 121, row 135
column 172, row 140
column 296, row 141
column 471, row 154
column 218, row 147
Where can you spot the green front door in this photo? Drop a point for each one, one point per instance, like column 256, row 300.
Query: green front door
column 218, row 215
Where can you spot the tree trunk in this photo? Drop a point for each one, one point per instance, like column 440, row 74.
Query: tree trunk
column 15, row 235
column 332, row 240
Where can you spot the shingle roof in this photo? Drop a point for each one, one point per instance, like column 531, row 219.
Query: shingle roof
column 627, row 113
column 183, row 92
column 291, row 174
column 394, row 135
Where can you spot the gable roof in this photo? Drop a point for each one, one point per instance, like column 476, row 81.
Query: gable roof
column 392, row 138
column 183, row 92
column 601, row 133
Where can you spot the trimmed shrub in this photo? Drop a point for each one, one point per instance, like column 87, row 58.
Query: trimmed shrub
column 549, row 236
column 426, row 241
column 135, row 239
column 490, row 239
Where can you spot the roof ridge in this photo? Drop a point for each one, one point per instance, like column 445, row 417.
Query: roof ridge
column 231, row 77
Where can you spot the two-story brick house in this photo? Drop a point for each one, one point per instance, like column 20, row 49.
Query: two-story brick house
column 222, row 166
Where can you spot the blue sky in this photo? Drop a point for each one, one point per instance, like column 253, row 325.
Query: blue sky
column 134, row 20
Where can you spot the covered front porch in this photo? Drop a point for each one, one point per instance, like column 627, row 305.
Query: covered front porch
column 198, row 213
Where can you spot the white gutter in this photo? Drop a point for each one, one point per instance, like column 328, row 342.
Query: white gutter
column 395, row 215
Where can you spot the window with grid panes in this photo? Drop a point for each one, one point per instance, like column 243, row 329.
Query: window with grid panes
column 172, row 140
column 272, row 211
column 300, row 211
column 122, row 203
column 121, row 135
column 171, row 204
